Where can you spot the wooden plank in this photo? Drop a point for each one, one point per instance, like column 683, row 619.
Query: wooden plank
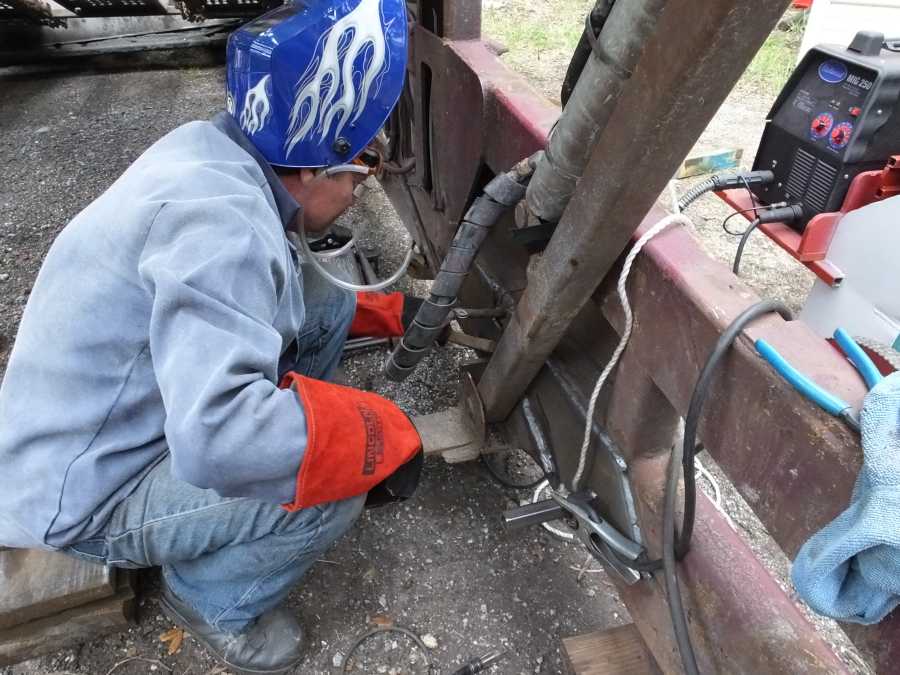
column 617, row 651
column 66, row 629
column 35, row 584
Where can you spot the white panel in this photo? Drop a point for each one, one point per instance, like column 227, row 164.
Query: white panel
column 837, row 21
column 867, row 303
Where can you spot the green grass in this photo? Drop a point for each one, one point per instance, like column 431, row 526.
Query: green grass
column 557, row 27
column 775, row 60
column 541, row 36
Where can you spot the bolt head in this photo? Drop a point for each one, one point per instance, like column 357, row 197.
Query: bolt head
column 341, row 146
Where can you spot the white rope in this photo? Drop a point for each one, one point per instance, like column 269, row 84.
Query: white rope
column 623, row 342
column 555, row 531
column 702, row 472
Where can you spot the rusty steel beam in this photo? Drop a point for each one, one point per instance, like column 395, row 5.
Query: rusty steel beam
column 687, row 69
column 451, row 19
column 796, row 471
column 793, row 463
column 741, row 621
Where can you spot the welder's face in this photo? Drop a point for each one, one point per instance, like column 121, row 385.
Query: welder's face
column 322, row 197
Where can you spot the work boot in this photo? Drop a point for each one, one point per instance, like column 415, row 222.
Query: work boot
column 273, row 643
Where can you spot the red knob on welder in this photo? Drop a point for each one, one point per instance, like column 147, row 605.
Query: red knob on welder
column 821, row 125
column 841, row 135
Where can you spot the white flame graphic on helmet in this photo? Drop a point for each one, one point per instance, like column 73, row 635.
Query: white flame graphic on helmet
column 256, row 108
column 320, row 101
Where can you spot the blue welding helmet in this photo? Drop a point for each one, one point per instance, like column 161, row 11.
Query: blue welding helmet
column 312, row 82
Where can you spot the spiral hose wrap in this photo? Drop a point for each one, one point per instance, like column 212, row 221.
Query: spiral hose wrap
column 501, row 194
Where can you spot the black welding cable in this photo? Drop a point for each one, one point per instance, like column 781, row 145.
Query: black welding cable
column 696, row 192
column 501, row 194
column 736, row 267
column 773, row 214
column 755, row 209
column 582, row 52
column 762, row 208
column 724, row 181
column 683, row 457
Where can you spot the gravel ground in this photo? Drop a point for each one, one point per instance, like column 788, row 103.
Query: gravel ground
column 442, row 564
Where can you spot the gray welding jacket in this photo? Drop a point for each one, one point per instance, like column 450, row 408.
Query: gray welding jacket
column 156, row 324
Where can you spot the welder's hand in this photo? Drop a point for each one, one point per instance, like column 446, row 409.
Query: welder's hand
column 355, row 441
column 383, row 314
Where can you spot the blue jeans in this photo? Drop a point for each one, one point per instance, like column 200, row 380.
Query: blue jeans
column 234, row 559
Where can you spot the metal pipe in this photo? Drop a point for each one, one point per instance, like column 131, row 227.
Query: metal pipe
column 589, row 108
column 533, row 514
column 688, row 67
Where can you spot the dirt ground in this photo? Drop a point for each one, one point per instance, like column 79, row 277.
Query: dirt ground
column 442, row 564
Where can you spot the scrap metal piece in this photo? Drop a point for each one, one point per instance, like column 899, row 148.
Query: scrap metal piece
column 538, row 425
column 472, row 342
column 457, row 434
column 536, row 513
column 358, row 344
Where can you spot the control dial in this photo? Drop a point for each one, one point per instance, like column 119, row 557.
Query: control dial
column 840, row 135
column 821, row 125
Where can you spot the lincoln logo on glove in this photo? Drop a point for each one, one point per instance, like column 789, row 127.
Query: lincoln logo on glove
column 374, row 439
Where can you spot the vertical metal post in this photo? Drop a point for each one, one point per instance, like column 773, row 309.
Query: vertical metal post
column 620, row 44
column 687, row 68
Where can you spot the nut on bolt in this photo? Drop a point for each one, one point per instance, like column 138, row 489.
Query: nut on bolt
column 341, row 146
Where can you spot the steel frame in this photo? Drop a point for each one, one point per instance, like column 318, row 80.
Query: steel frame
column 474, row 118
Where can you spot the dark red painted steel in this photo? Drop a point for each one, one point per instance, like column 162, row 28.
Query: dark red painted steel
column 740, row 620
column 794, row 464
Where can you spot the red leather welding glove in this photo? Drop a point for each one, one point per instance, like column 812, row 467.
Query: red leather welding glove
column 386, row 315
column 378, row 315
column 355, row 440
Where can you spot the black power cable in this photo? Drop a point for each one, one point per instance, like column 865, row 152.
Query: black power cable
column 754, row 209
column 593, row 23
column 736, row 265
column 684, row 456
column 785, row 214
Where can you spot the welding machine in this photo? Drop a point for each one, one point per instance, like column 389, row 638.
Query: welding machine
column 838, row 115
